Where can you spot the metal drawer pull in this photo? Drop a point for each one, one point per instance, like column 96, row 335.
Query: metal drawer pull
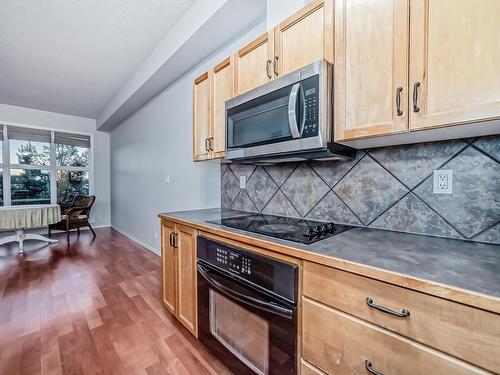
column 399, row 112
column 402, row 314
column 268, row 65
column 207, row 144
column 211, row 143
column 415, row 97
column 370, row 369
column 171, row 240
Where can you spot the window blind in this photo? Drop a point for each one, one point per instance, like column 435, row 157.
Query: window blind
column 78, row 140
column 28, row 134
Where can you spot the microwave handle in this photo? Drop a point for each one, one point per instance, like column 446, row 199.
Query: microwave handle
column 292, row 111
column 251, row 301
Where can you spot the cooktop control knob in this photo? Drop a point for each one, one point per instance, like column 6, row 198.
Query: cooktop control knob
column 311, row 232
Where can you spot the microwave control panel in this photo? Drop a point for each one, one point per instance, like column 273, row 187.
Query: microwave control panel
column 234, row 262
column 311, row 108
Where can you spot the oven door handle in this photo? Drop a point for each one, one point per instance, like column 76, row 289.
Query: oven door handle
column 251, row 301
column 292, row 111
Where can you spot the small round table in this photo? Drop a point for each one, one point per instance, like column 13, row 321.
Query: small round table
column 20, row 218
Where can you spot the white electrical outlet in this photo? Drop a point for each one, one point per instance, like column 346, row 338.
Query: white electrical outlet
column 167, row 180
column 443, row 181
column 243, row 182
column 156, row 235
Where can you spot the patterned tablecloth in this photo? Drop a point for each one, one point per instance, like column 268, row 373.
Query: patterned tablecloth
column 32, row 216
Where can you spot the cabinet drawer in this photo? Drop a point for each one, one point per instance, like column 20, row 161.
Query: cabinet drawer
column 465, row 332
column 307, row 369
column 340, row 344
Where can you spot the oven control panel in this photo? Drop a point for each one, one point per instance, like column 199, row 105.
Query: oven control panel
column 233, row 261
column 270, row 274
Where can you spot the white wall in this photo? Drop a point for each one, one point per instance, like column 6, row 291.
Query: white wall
column 156, row 142
column 56, row 121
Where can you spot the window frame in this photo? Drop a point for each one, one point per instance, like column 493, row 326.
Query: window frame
column 6, row 165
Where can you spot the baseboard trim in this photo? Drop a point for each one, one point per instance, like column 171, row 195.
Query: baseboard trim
column 139, row 242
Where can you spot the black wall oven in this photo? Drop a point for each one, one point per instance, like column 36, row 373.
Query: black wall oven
column 247, row 309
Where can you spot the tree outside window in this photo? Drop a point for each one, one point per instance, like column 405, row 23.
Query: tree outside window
column 38, row 159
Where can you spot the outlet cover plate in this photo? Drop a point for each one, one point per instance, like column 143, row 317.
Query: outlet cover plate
column 243, row 182
column 443, row 181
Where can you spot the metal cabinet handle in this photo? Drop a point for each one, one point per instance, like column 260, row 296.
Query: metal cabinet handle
column 207, row 145
column 174, row 240
column 370, row 369
column 415, row 97
column 399, row 112
column 171, row 239
column 268, row 66
column 401, row 314
column 211, row 143
column 275, row 65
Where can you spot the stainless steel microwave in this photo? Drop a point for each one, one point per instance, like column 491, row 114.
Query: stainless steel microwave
column 287, row 119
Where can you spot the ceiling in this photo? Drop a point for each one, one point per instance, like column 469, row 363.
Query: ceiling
column 72, row 56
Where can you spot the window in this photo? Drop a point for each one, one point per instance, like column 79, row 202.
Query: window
column 42, row 166
column 72, row 165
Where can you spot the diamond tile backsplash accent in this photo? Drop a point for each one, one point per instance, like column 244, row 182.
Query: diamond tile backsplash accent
column 387, row 188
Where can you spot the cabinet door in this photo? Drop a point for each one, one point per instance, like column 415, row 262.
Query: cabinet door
column 305, row 37
column 186, row 277
column 201, row 117
column 371, row 68
column 253, row 63
column 168, row 266
column 455, row 56
column 222, row 90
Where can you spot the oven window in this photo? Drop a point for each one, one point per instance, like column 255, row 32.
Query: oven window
column 243, row 333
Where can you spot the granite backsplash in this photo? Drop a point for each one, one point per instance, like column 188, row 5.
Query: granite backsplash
column 387, row 188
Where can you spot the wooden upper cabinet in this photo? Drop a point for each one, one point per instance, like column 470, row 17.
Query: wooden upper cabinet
column 455, row 56
column 305, row 37
column 168, row 266
column 371, row 68
column 222, row 90
column 201, row 117
column 253, row 63
column 186, row 277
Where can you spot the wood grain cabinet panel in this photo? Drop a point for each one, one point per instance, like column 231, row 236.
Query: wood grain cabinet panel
column 222, row 90
column 455, row 57
column 307, row 369
column 179, row 273
column 304, row 38
column 253, row 63
column 186, row 276
column 168, row 266
column 371, row 68
column 340, row 344
column 436, row 322
column 201, row 117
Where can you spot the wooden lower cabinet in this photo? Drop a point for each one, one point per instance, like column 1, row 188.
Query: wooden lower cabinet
column 307, row 369
column 186, row 276
column 341, row 344
column 435, row 322
column 179, row 273
column 169, row 281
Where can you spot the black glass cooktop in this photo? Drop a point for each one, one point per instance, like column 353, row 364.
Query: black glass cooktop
column 286, row 228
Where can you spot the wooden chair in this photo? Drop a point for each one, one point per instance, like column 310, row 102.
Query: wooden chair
column 75, row 215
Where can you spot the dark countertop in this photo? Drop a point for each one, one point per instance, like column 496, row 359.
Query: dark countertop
column 459, row 264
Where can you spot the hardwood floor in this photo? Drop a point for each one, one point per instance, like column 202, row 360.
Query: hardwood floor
column 91, row 308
